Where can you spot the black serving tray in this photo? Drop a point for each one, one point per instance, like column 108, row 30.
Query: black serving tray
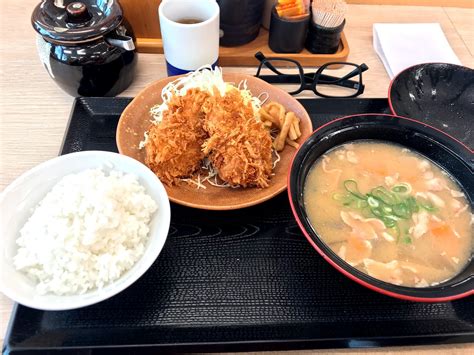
column 233, row 281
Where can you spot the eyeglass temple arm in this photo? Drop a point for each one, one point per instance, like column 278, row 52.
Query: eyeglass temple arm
column 333, row 80
column 295, row 79
column 281, row 79
column 330, row 80
column 261, row 58
column 362, row 68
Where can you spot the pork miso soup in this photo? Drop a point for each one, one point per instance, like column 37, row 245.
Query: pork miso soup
column 390, row 213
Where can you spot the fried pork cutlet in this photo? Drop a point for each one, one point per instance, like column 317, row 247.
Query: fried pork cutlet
column 239, row 146
column 174, row 146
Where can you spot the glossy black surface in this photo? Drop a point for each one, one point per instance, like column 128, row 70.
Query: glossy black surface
column 287, row 36
column 91, row 69
column 55, row 24
column 443, row 151
column 237, row 280
column 437, row 91
column 323, row 40
column 239, row 21
column 85, row 46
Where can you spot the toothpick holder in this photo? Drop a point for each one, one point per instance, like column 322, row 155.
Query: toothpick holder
column 323, row 40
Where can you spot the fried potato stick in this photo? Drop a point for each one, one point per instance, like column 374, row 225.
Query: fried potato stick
column 278, row 111
column 280, row 140
column 292, row 132
column 292, row 143
column 266, row 116
column 297, row 127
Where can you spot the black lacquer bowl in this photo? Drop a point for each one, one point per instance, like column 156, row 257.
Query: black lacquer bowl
column 437, row 92
column 442, row 149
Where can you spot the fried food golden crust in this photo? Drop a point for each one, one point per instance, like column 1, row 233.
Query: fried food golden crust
column 239, row 146
column 173, row 148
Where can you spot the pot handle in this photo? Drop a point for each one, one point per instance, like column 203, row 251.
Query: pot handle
column 121, row 41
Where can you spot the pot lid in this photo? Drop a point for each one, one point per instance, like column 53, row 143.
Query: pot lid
column 76, row 20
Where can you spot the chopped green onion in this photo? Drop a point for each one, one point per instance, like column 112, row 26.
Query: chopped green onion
column 373, row 202
column 339, row 197
column 361, row 203
column 392, row 217
column 377, row 212
column 412, row 205
column 399, row 189
column 427, row 205
column 401, row 210
column 402, row 188
column 351, row 186
column 384, row 195
column 389, row 223
column 430, row 208
column 390, row 207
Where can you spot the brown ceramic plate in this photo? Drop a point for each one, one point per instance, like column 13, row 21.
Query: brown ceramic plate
column 135, row 120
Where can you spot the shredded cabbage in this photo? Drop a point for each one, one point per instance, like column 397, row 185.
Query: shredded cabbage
column 207, row 79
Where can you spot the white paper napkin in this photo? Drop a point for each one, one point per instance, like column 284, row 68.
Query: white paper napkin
column 402, row 45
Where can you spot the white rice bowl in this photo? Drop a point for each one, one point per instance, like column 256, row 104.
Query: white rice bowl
column 17, row 203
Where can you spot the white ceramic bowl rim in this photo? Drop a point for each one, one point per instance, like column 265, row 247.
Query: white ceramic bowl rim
column 15, row 211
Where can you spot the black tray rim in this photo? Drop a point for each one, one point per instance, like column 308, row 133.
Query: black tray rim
column 233, row 346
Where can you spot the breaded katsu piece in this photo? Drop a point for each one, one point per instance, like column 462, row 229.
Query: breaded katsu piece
column 174, row 146
column 239, row 146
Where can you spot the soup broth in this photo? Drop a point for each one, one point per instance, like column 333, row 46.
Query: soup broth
column 390, row 212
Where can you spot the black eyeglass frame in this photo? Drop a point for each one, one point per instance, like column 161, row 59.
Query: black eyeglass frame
column 309, row 81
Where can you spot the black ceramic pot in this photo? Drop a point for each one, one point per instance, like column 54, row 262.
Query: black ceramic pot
column 444, row 150
column 85, row 46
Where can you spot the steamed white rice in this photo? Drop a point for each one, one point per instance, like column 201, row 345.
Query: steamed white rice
column 87, row 231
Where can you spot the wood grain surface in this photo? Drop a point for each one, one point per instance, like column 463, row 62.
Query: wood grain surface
column 451, row 3
column 143, row 16
column 244, row 55
column 34, row 112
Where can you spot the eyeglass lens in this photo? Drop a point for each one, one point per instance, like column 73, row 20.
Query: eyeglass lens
column 338, row 80
column 285, row 72
column 330, row 80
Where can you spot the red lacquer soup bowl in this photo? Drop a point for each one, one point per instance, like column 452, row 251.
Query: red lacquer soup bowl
column 445, row 151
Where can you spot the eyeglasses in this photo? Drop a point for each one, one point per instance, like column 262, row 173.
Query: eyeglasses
column 319, row 82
